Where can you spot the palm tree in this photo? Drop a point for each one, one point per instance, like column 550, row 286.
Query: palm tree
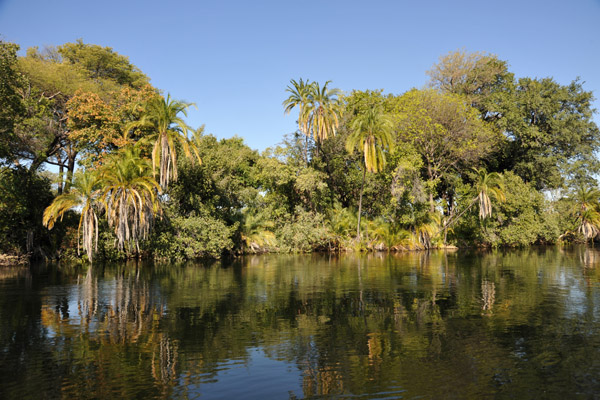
column 130, row 194
column 371, row 134
column 586, row 211
column 257, row 232
column 162, row 116
column 324, row 110
column 488, row 184
column 84, row 194
column 300, row 96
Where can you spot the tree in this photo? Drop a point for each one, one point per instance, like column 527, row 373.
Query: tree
column 24, row 195
column 371, row 134
column 324, row 110
column 477, row 76
column 84, row 194
column 168, row 130
column 554, row 132
column 97, row 124
column 300, row 96
column 11, row 104
column 130, row 195
column 102, row 63
column 488, row 184
column 548, row 128
column 586, row 210
column 447, row 133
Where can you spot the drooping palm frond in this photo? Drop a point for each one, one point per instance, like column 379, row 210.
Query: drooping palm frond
column 587, row 211
column 372, row 134
column 488, row 184
column 130, row 195
column 84, row 194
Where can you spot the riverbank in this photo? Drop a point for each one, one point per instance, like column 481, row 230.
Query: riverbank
column 8, row 261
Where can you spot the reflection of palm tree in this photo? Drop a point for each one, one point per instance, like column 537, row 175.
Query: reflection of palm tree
column 88, row 297
column 488, row 295
column 130, row 194
column 84, row 193
column 372, row 134
column 168, row 130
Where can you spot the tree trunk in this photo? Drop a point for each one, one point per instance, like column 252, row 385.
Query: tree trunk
column 454, row 219
column 71, row 156
column 362, row 186
column 306, row 149
column 431, row 203
column 60, row 179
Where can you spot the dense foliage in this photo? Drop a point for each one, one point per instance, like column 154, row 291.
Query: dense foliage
column 481, row 157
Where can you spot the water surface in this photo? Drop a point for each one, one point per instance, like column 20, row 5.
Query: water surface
column 521, row 324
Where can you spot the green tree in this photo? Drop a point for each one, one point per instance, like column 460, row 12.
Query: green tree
column 51, row 81
column 549, row 129
column 24, row 195
column 554, row 133
column 162, row 116
column 84, row 195
column 371, row 134
column 480, row 77
column 11, row 104
column 447, row 133
column 102, row 63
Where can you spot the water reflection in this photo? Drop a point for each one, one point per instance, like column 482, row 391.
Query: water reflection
column 439, row 325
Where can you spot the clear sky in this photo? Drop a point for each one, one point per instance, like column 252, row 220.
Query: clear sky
column 234, row 59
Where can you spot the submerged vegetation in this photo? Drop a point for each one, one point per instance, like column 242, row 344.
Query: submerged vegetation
column 90, row 150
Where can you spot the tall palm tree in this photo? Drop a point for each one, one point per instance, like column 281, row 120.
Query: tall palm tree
column 300, row 96
column 324, row 110
column 130, row 194
column 586, row 210
column 84, row 194
column 371, row 134
column 168, row 129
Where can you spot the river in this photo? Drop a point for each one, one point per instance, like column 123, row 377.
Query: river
column 494, row 324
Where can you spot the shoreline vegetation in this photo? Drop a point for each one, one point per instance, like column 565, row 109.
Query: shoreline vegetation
column 97, row 164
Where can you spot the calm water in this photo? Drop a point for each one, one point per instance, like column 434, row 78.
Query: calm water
column 523, row 324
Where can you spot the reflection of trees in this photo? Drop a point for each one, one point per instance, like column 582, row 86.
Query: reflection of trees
column 115, row 340
column 488, row 295
column 350, row 324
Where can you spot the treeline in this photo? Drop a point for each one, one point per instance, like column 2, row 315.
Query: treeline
column 95, row 158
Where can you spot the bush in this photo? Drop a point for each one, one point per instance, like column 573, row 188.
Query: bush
column 303, row 232
column 192, row 237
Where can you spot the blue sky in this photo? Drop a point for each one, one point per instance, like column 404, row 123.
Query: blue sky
column 234, row 59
